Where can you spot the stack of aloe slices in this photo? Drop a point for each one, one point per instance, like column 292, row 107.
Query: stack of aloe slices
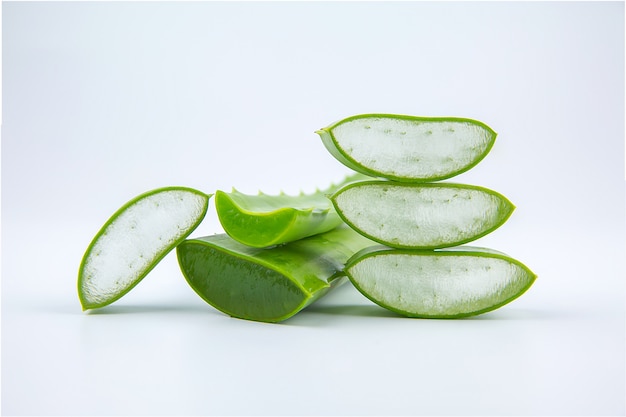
column 419, row 270
column 280, row 253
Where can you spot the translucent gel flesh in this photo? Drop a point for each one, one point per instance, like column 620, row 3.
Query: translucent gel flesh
column 132, row 242
column 421, row 216
column 410, row 148
column 439, row 285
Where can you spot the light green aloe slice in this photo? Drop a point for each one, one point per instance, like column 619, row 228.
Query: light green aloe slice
column 421, row 216
column 268, row 285
column 408, row 148
column 266, row 220
column 448, row 283
column 134, row 240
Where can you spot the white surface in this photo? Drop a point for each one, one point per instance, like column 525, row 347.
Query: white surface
column 103, row 101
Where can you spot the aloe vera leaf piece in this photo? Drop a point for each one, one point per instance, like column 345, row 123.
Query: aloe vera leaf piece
column 408, row 148
column 268, row 285
column 266, row 220
column 421, row 216
column 447, row 283
column 133, row 241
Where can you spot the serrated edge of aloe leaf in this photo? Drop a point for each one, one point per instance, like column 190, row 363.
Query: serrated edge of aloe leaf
column 475, row 252
column 90, row 306
column 326, row 133
column 504, row 219
column 293, row 213
column 289, row 213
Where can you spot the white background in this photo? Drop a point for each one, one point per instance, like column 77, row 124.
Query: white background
column 103, row 101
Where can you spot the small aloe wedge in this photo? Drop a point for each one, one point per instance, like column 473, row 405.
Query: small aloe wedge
column 134, row 240
column 448, row 283
column 267, row 220
column 408, row 148
column 421, row 216
column 268, row 285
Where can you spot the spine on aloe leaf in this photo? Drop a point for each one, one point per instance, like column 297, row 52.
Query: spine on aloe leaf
column 267, row 220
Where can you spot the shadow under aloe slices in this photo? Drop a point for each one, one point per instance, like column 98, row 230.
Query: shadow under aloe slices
column 267, row 285
column 446, row 283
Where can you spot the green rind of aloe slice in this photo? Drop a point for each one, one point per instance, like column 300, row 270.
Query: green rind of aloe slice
column 408, row 148
column 448, row 283
column 133, row 241
column 268, row 285
column 421, row 216
column 267, row 220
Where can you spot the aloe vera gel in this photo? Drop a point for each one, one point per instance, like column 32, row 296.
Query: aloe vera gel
column 439, row 284
column 135, row 239
column 404, row 207
column 421, row 216
column 408, row 148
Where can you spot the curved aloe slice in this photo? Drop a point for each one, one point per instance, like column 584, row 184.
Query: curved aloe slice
column 449, row 283
column 266, row 220
column 421, row 216
column 408, row 148
column 134, row 240
column 268, row 285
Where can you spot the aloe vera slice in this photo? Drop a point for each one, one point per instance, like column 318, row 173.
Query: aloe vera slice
column 267, row 285
column 408, row 148
column 421, row 216
column 266, row 220
column 447, row 283
column 134, row 240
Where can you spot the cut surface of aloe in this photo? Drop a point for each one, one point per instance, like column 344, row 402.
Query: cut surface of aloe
column 408, row 148
column 447, row 283
column 421, row 216
column 266, row 220
column 134, row 240
column 267, row 285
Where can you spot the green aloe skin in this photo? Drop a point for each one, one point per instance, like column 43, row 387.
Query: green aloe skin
column 447, row 283
column 408, row 148
column 133, row 241
column 267, row 220
column 268, row 285
column 421, row 216
column 280, row 253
